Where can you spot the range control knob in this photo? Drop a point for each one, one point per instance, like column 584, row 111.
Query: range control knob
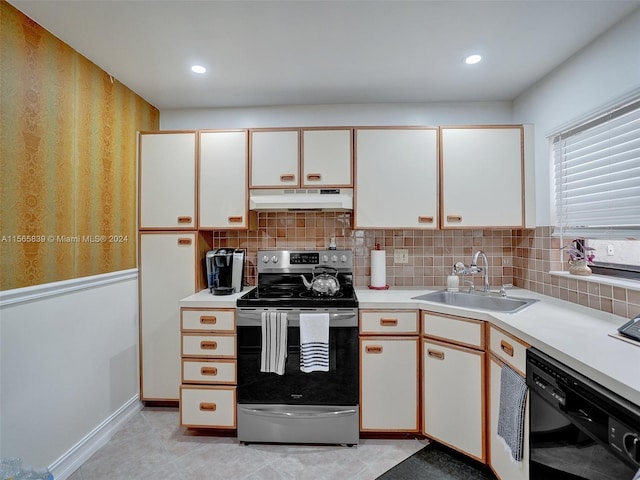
column 334, row 258
column 325, row 258
column 265, row 259
column 275, row 259
column 343, row 258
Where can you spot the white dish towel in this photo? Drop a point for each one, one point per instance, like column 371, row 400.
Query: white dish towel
column 314, row 342
column 274, row 342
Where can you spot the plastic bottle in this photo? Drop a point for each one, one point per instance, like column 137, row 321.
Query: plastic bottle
column 453, row 282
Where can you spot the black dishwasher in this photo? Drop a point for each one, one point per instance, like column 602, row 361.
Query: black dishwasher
column 579, row 430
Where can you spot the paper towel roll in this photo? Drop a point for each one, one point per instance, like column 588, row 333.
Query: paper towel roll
column 378, row 268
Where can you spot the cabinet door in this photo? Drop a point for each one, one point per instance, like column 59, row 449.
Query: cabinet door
column 327, row 158
column 482, row 179
column 389, row 384
column 396, row 178
column 500, row 459
column 274, row 158
column 453, row 396
column 167, row 274
column 223, row 179
column 167, row 175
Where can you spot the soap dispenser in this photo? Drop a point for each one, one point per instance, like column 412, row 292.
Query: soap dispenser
column 453, row 282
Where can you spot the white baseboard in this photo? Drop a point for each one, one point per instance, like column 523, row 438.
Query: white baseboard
column 68, row 463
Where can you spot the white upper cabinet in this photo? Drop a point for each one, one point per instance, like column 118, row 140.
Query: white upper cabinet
column 223, row 179
column 396, row 178
column 274, row 158
column 482, row 176
column 167, row 175
column 327, row 157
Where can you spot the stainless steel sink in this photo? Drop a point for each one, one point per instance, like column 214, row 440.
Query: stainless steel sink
column 478, row 301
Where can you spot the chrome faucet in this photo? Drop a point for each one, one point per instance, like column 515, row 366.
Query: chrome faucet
column 485, row 268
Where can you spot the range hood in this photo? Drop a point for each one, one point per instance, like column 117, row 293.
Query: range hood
column 328, row 199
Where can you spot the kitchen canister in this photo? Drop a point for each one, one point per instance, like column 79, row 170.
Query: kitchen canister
column 378, row 269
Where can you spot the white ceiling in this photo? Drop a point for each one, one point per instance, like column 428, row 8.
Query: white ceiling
column 325, row 52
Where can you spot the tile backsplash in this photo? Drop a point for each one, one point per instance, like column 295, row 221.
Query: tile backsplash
column 520, row 257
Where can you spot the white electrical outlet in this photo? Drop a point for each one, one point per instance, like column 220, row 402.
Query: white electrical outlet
column 610, row 250
column 401, row 255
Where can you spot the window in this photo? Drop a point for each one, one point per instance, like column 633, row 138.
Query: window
column 597, row 187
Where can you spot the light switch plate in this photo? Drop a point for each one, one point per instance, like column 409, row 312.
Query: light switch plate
column 401, row 255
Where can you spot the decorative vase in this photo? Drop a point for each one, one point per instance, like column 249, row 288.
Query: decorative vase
column 579, row 267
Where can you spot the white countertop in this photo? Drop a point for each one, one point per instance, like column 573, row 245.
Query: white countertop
column 575, row 335
column 205, row 299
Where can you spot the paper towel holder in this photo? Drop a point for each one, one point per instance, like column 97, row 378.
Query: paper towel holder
column 384, row 287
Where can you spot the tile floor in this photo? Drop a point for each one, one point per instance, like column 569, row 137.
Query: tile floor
column 153, row 446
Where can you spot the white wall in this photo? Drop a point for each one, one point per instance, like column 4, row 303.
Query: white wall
column 69, row 361
column 602, row 72
column 431, row 114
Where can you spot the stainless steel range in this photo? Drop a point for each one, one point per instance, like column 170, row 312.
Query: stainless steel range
column 298, row 371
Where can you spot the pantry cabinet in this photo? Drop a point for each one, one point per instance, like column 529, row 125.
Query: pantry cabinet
column 396, row 178
column 209, row 368
column 223, row 179
column 482, row 175
column 389, row 345
column 167, row 180
column 505, row 349
column 453, row 363
column 167, row 273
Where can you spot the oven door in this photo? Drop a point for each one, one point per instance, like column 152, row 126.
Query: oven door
column 338, row 386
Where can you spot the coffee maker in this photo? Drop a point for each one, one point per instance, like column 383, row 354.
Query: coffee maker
column 225, row 270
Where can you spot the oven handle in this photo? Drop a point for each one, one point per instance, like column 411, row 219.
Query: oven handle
column 271, row 413
column 248, row 318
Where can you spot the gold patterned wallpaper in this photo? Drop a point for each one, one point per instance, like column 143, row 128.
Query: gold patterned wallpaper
column 68, row 158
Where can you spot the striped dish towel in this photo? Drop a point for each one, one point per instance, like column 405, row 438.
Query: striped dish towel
column 513, row 396
column 274, row 342
column 314, row 342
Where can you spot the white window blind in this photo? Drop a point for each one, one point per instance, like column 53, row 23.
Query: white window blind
column 597, row 176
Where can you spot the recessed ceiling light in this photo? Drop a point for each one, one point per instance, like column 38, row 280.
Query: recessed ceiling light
column 198, row 69
column 472, row 59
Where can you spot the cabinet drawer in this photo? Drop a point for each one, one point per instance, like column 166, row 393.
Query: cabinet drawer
column 208, row 345
column 208, row 371
column 208, row 320
column 462, row 331
column 388, row 321
column 208, row 407
column 508, row 349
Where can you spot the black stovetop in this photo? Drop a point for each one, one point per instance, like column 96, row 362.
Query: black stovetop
column 289, row 292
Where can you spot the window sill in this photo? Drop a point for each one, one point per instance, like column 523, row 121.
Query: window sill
column 602, row 279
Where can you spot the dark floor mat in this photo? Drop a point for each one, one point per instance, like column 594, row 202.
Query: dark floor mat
column 435, row 462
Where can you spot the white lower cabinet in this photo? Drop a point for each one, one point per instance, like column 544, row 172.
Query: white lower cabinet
column 167, row 274
column 500, row 459
column 505, row 349
column 208, row 407
column 209, row 368
column 389, row 384
column 453, row 396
